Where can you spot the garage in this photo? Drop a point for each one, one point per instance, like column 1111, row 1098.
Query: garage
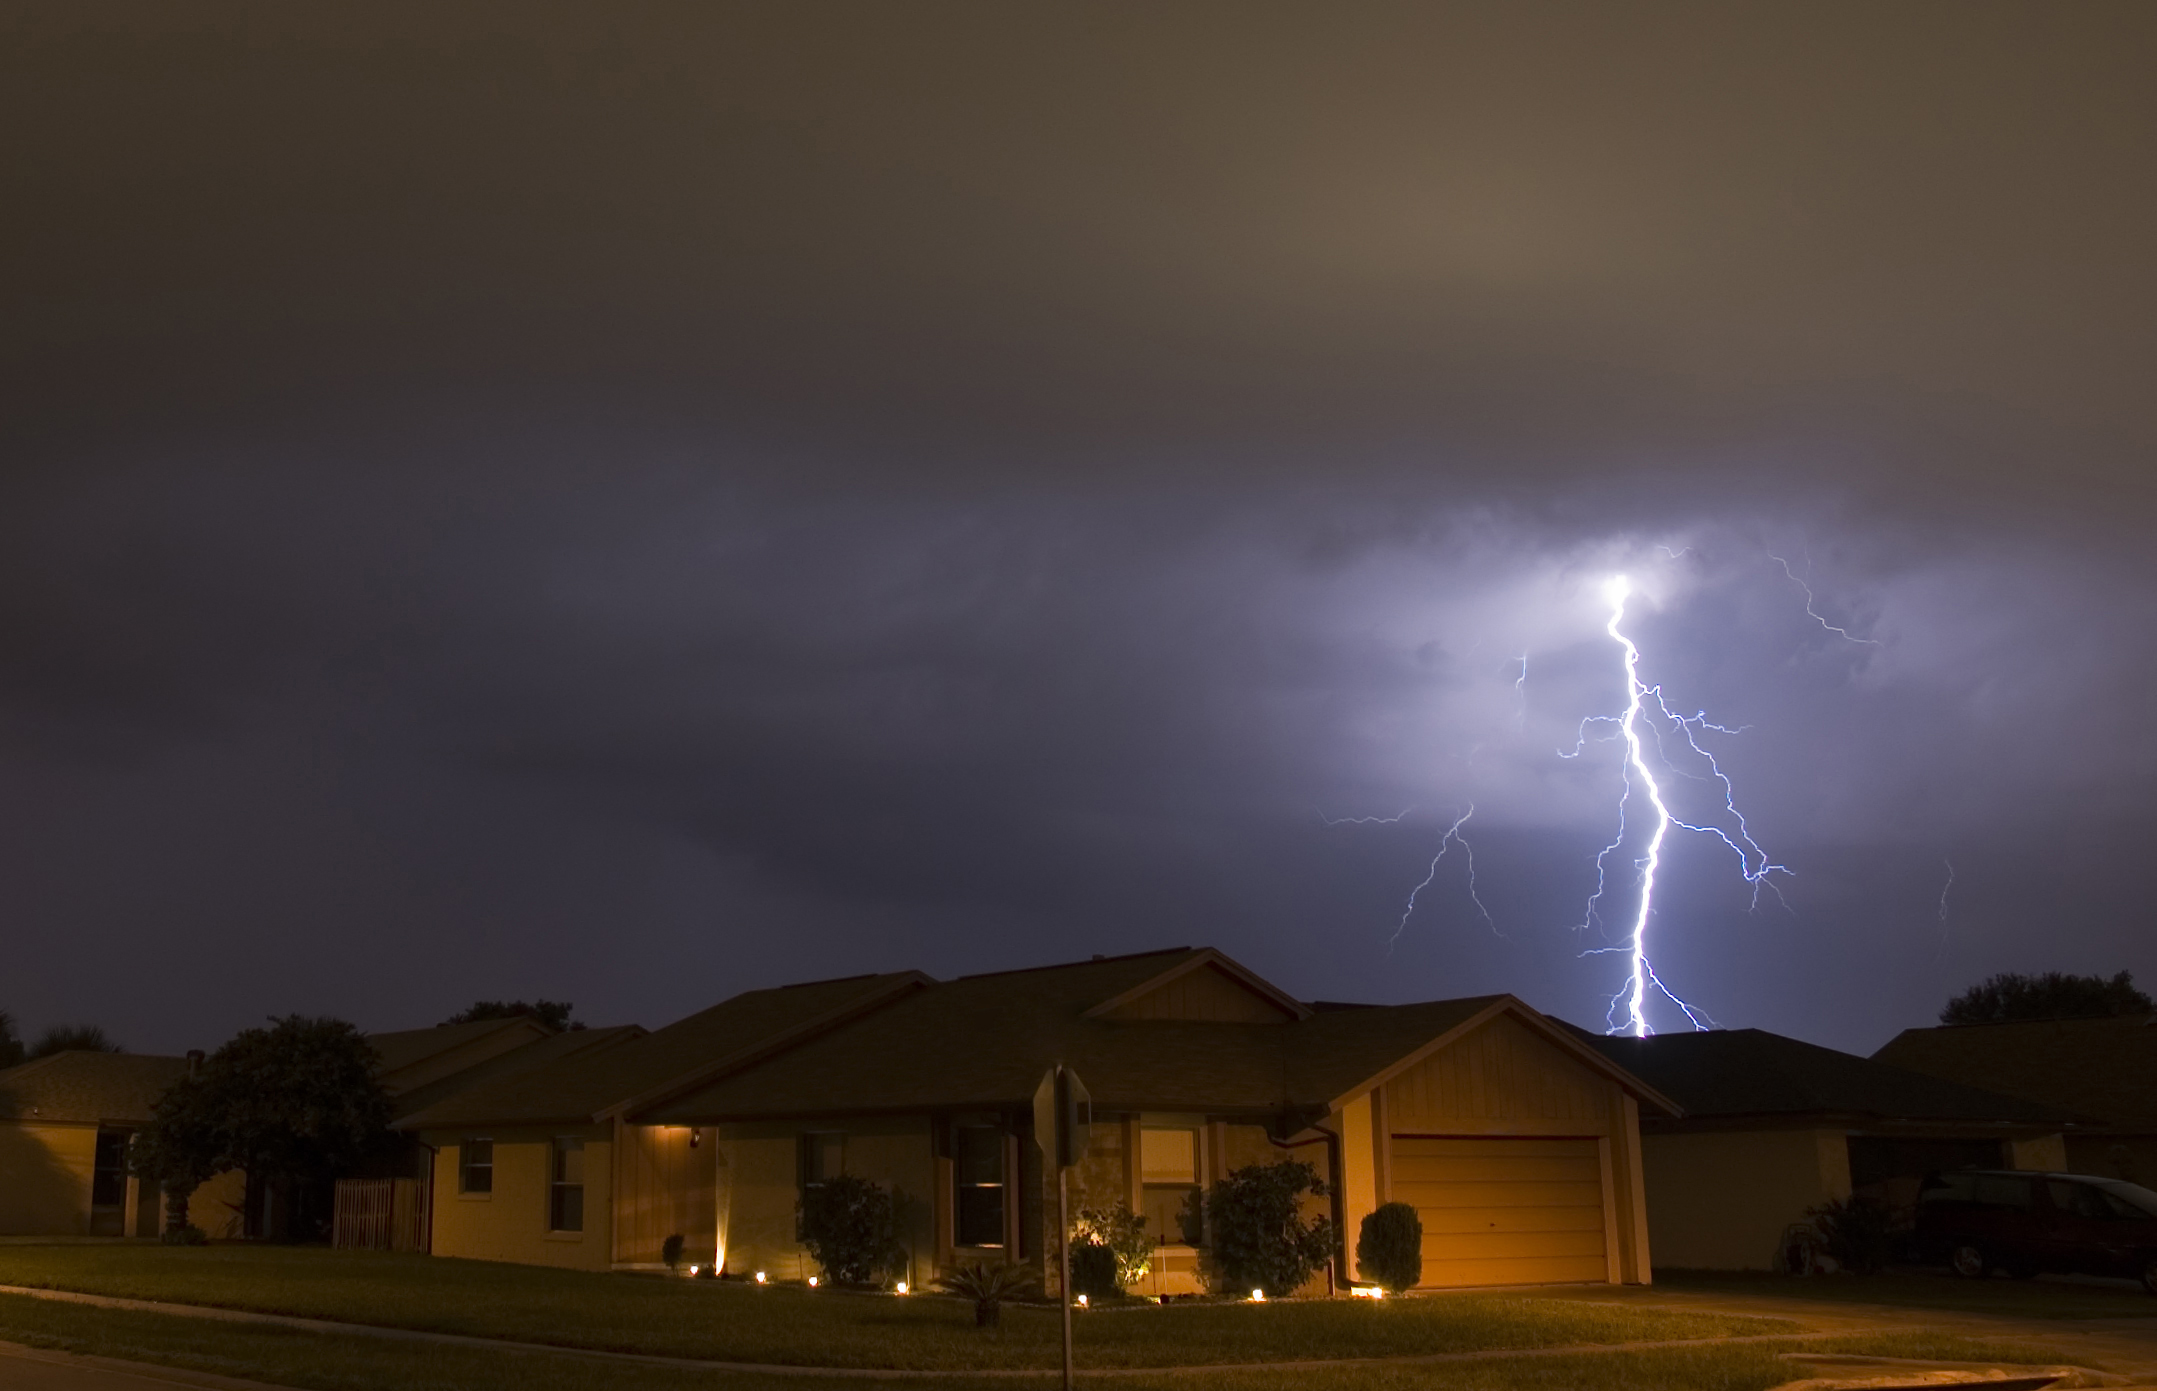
column 1504, row 1211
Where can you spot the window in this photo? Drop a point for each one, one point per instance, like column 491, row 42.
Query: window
column 475, row 1166
column 108, row 1171
column 565, row 1187
column 977, row 1201
column 1168, row 1174
column 2003, row 1191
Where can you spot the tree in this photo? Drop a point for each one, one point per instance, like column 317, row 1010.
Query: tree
column 298, row 1099
column 1260, row 1238
column 73, row 1038
column 552, row 1013
column 2004, row 998
column 11, row 1051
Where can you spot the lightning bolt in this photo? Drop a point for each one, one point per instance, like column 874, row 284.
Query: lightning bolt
column 1810, row 611
column 1942, row 948
column 1753, row 862
column 1363, row 820
column 1451, row 838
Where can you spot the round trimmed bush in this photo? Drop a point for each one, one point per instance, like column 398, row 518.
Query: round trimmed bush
column 1389, row 1249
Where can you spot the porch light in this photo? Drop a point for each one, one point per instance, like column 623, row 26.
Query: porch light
column 760, row 1277
column 1258, row 1296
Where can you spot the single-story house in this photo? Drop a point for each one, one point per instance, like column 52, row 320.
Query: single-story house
column 2102, row 1069
column 1517, row 1141
column 66, row 1120
column 1772, row 1126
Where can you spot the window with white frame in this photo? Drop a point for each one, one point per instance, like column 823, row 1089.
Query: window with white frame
column 565, row 1185
column 977, row 1173
column 475, row 1166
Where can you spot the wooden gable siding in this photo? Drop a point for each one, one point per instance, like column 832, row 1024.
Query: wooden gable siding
column 1209, row 994
column 664, row 1186
column 1501, row 1079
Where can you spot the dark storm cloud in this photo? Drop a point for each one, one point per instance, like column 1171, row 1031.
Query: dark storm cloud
column 792, row 490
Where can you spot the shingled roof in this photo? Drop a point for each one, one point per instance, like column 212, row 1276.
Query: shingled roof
column 84, row 1088
column 1750, row 1072
column 2102, row 1068
column 984, row 1042
column 578, row 1089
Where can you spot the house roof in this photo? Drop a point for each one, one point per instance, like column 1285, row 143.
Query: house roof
column 570, row 1043
column 984, row 1042
column 1751, row 1072
column 83, row 1088
column 2103, row 1068
column 409, row 1050
column 580, row 1087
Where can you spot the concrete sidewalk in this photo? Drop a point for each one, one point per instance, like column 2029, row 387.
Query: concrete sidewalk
column 38, row 1369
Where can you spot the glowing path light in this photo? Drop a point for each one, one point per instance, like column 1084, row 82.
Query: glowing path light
column 1752, row 860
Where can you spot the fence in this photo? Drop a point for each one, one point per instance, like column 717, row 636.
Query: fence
column 381, row 1214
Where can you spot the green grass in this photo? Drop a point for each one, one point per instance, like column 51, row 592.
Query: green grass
column 726, row 1321
column 1919, row 1289
column 354, row 1362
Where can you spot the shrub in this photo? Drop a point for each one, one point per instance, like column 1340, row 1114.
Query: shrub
column 184, row 1236
column 1123, row 1233
column 988, row 1286
column 1093, row 1270
column 846, row 1223
column 1260, row 1238
column 1858, row 1232
column 1389, row 1248
column 670, row 1251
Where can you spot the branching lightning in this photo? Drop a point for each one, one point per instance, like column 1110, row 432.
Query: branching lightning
column 1810, row 611
column 1452, row 838
column 1394, row 819
column 1753, row 862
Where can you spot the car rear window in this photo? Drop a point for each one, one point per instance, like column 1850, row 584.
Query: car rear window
column 2002, row 1191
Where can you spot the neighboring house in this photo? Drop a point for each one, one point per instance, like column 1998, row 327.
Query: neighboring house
column 1772, row 1126
column 2105, row 1069
column 1518, row 1142
column 65, row 1121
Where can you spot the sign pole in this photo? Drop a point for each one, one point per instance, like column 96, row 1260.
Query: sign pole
column 1063, row 1249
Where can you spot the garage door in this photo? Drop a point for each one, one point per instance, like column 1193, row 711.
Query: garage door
column 1504, row 1212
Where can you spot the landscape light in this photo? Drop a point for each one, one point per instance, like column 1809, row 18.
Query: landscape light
column 696, row 1270
column 902, row 1287
column 1368, row 1291
column 1082, row 1301
column 1258, row 1296
column 812, row 1282
column 760, row 1277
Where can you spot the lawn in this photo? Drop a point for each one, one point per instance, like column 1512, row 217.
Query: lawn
column 1926, row 1289
column 728, row 1321
column 331, row 1362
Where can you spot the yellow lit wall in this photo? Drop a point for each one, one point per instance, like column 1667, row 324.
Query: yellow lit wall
column 46, row 1186
column 1721, row 1200
column 510, row 1223
column 2045, row 1152
column 763, row 1189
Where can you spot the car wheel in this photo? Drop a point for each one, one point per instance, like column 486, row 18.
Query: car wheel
column 1969, row 1261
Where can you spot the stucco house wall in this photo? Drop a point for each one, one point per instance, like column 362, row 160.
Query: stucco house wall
column 47, row 1187
column 1721, row 1200
column 510, row 1222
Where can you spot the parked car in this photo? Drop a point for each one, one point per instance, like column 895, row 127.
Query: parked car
column 1982, row 1220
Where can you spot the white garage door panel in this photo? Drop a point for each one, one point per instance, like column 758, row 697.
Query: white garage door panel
column 1504, row 1211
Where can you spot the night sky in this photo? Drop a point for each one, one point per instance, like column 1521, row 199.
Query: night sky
column 634, row 503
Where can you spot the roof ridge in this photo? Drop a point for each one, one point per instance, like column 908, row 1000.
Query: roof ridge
column 1067, row 965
